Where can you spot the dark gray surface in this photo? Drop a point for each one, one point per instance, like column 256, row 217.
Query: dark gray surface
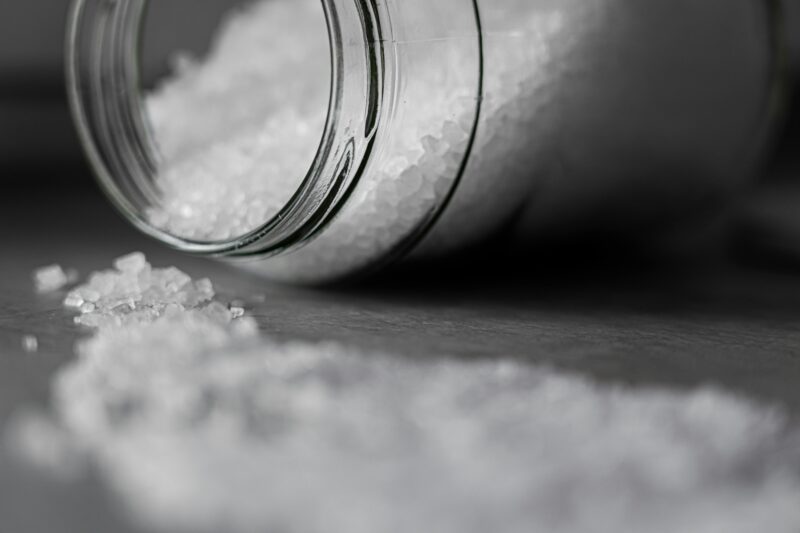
column 690, row 325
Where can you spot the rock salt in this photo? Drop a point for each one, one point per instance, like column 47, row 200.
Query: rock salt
column 53, row 278
column 134, row 263
column 263, row 92
column 200, row 424
column 73, row 300
column 30, row 343
column 135, row 291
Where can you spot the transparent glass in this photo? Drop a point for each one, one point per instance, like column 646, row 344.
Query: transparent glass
column 450, row 121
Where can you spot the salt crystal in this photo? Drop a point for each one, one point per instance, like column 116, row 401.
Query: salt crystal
column 121, row 305
column 89, row 295
column 219, row 312
column 30, row 343
column 131, row 263
column 174, row 279
column 73, row 300
column 51, row 278
column 205, row 289
column 101, row 282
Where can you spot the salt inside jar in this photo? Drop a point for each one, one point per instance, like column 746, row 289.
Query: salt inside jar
column 318, row 140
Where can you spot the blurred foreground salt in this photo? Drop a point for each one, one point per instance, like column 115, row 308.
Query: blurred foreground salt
column 199, row 423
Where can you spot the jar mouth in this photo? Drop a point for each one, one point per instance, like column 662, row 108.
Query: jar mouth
column 104, row 82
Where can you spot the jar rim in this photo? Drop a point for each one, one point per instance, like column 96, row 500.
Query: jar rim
column 105, row 99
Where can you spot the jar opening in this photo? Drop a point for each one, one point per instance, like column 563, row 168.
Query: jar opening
column 235, row 131
column 246, row 144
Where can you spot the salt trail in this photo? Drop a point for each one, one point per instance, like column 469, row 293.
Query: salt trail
column 200, row 423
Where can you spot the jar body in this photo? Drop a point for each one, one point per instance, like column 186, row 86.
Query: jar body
column 635, row 117
column 533, row 114
column 629, row 117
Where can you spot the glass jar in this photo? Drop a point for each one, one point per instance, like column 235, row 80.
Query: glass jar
column 450, row 121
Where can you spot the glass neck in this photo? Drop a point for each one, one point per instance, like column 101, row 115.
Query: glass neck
column 103, row 68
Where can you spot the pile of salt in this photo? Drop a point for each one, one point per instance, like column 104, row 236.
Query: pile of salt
column 199, row 423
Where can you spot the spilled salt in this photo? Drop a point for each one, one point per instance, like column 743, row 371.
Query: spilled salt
column 199, row 423
column 53, row 278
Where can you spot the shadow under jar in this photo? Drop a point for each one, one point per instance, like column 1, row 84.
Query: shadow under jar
column 318, row 140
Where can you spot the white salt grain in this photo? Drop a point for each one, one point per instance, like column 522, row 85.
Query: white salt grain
column 133, row 263
column 200, row 424
column 30, row 344
column 134, row 291
column 52, row 278
column 73, row 300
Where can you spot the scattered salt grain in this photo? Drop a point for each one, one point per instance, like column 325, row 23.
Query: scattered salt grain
column 73, row 300
column 53, row 278
column 133, row 263
column 185, row 404
column 135, row 291
column 30, row 344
